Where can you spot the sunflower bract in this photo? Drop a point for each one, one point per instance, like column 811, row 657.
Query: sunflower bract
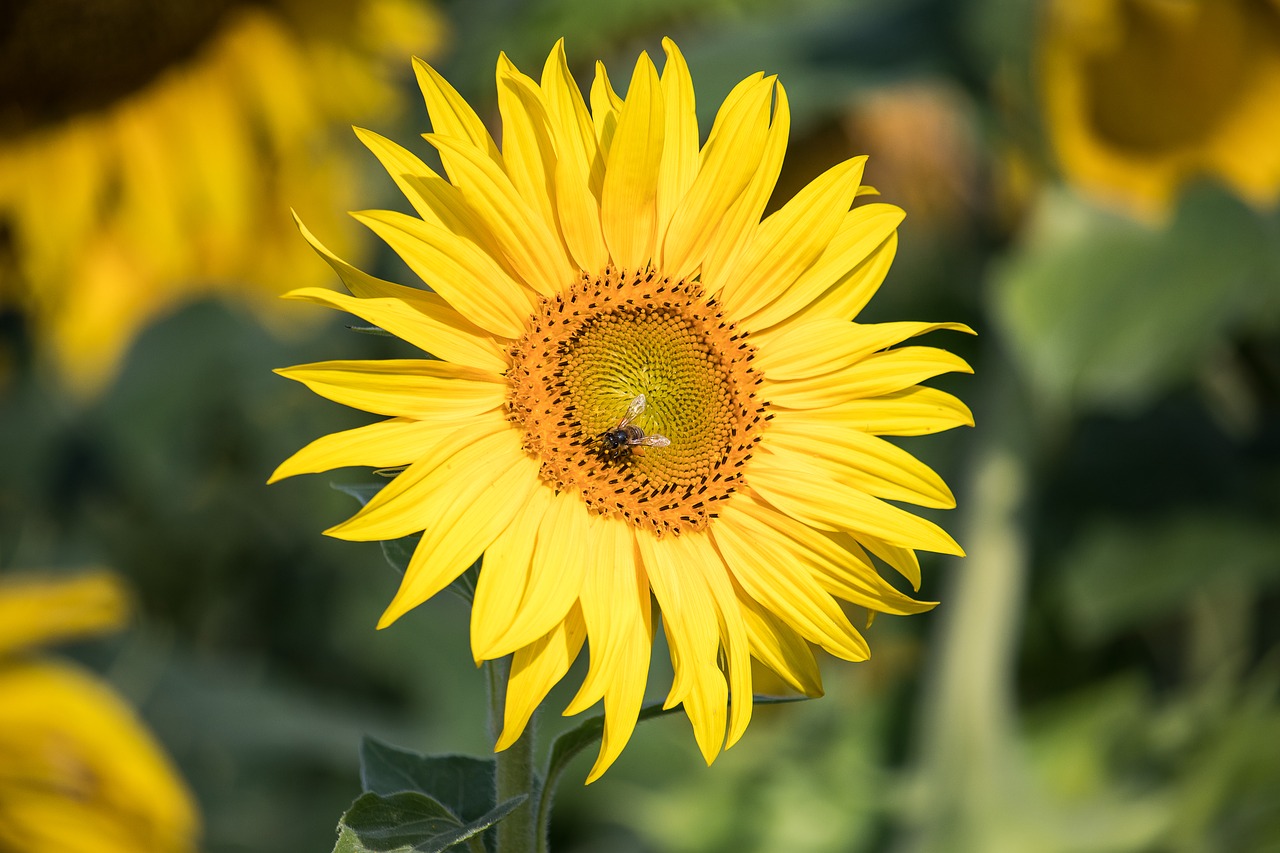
column 599, row 254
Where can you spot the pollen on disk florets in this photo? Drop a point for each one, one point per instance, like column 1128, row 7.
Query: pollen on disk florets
column 590, row 350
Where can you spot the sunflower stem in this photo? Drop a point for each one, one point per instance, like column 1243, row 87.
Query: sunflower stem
column 515, row 772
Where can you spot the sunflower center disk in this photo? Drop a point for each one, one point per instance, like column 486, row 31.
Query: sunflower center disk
column 590, row 351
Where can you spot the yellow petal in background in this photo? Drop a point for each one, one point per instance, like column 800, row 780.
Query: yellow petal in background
column 39, row 609
column 81, row 773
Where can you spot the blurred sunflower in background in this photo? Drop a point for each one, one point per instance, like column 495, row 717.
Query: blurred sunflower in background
column 602, row 280
column 78, row 770
column 1141, row 96
column 150, row 152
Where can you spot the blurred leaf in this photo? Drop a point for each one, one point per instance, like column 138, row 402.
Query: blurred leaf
column 1100, row 310
column 1119, row 575
column 1229, row 784
column 409, row 821
column 461, row 782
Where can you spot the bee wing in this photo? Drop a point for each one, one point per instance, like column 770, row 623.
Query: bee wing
column 654, row 441
column 633, row 411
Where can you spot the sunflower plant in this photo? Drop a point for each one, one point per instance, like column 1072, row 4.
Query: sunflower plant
column 640, row 403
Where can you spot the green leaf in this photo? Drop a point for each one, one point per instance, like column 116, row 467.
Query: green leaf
column 1101, row 310
column 1121, row 575
column 409, row 822
column 463, row 783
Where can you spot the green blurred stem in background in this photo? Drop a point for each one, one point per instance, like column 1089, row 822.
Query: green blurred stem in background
column 971, row 778
column 515, row 773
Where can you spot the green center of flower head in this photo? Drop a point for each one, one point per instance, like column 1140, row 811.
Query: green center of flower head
column 585, row 358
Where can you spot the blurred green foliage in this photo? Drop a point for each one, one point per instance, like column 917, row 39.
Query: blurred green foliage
column 1101, row 676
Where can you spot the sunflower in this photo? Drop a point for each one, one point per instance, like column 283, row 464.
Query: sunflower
column 78, row 770
column 598, row 279
column 1141, row 96
column 146, row 149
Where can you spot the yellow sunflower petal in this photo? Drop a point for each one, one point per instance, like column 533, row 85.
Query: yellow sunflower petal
column 436, row 200
column 734, row 641
column 818, row 500
column 527, row 148
column 450, row 114
column 526, row 242
column 790, row 240
column 691, row 623
column 38, row 609
column 912, row 411
column 403, row 166
column 579, row 169
column 848, row 273
column 473, row 500
column 881, row 373
column 386, row 444
column 730, row 159
column 468, row 279
column 410, row 388
column 774, row 579
column 850, row 294
column 738, row 227
column 680, row 135
column 775, row 644
column 398, row 508
column 819, row 346
column 903, row 560
column 615, row 604
column 605, row 107
column 705, row 706
column 868, row 463
column 505, row 575
column 837, row 561
column 629, row 204
column 424, row 320
column 535, row 669
column 555, row 574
